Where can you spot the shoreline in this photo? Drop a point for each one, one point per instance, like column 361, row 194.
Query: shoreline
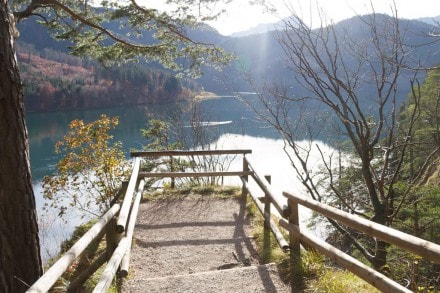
column 204, row 95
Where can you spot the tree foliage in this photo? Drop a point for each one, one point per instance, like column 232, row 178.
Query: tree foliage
column 92, row 30
column 422, row 116
column 91, row 171
column 160, row 136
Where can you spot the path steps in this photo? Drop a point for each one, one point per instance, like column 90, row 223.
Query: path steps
column 262, row 278
column 199, row 244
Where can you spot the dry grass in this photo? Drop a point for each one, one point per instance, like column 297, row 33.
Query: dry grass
column 319, row 273
column 191, row 191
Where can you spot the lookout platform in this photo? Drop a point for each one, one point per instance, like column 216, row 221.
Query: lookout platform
column 204, row 243
column 198, row 244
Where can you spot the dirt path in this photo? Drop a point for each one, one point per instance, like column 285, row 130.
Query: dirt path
column 197, row 245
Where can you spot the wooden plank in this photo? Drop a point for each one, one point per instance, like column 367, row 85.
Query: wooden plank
column 426, row 249
column 244, row 178
column 130, row 229
column 296, row 280
column 363, row 271
column 125, row 208
column 176, row 153
column 110, row 270
column 46, row 281
column 267, row 189
column 193, row 174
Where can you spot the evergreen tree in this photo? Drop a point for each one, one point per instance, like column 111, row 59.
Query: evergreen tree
column 83, row 25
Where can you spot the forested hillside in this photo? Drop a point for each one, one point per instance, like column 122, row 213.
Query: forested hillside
column 57, row 81
column 259, row 58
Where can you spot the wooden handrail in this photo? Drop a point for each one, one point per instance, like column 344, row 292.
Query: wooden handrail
column 363, row 271
column 125, row 208
column 193, row 174
column 110, row 270
column 176, row 153
column 122, row 251
column 418, row 246
column 131, row 224
column 45, row 282
column 426, row 249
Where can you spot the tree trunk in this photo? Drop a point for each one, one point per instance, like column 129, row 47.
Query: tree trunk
column 379, row 261
column 20, row 261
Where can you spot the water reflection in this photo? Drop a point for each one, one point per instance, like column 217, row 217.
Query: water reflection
column 45, row 129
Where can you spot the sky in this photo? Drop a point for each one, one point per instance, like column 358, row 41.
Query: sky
column 241, row 16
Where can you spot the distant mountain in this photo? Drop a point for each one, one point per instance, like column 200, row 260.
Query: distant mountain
column 261, row 56
column 268, row 27
column 259, row 29
column 37, row 35
column 431, row 20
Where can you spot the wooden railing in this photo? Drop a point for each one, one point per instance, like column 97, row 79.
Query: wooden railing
column 426, row 249
column 191, row 154
column 118, row 225
column 288, row 218
column 118, row 243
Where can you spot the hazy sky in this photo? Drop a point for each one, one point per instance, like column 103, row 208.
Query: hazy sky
column 241, row 16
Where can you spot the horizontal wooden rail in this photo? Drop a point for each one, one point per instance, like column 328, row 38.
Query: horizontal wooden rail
column 131, row 224
column 111, row 268
column 46, row 281
column 176, row 153
column 125, row 208
column 426, row 249
column 282, row 208
column 193, row 174
column 363, row 271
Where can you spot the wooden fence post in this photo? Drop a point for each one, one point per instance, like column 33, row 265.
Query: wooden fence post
column 120, row 193
column 173, row 180
column 245, row 177
column 266, row 239
column 296, row 281
column 112, row 238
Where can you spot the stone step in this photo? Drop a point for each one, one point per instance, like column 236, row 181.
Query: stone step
column 261, row 278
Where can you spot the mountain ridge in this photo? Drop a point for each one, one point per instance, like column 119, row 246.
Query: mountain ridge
column 273, row 26
column 260, row 55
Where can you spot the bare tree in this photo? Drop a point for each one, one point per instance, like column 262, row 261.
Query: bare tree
column 188, row 126
column 352, row 83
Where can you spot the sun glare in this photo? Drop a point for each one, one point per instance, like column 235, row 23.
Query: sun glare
column 240, row 15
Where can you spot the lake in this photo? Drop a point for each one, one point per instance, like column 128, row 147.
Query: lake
column 227, row 114
column 232, row 125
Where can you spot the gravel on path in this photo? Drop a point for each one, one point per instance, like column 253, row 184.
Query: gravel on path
column 175, row 239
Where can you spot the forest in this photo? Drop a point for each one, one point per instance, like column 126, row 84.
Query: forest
column 55, row 81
